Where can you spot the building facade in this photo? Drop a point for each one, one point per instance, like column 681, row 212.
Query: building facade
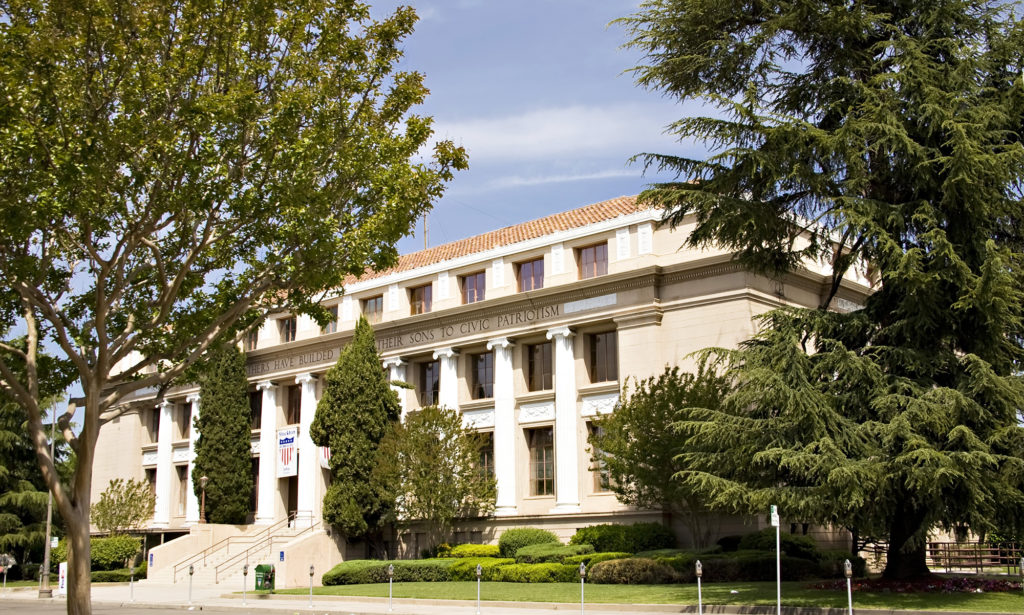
column 529, row 331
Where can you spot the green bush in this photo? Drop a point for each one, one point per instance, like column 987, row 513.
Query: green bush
column 550, row 552
column 464, row 569
column 792, row 544
column 120, row 575
column 514, row 539
column 632, row 538
column 633, row 571
column 536, row 573
column 655, row 553
column 831, row 564
column 729, row 543
column 376, row 571
column 474, row 551
column 744, row 566
column 108, row 553
column 592, row 558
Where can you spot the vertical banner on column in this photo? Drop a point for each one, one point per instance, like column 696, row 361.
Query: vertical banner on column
column 287, row 452
column 324, row 453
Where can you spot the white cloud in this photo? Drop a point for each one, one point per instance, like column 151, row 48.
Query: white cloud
column 618, row 131
column 515, row 181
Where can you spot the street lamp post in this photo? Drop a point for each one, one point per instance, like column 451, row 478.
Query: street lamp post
column 44, row 587
column 203, row 480
column 700, row 600
column 311, row 586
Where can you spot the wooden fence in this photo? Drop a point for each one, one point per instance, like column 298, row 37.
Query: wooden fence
column 963, row 557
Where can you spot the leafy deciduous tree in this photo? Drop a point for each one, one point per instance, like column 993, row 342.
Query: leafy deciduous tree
column 356, row 410
column 431, row 464
column 640, row 450
column 879, row 132
column 172, row 170
column 124, row 506
column 223, row 449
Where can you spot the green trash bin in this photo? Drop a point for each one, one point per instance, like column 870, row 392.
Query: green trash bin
column 265, row 576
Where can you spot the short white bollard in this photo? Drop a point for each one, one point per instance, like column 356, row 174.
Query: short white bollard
column 700, row 601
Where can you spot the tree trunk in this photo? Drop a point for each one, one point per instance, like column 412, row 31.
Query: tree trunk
column 79, row 600
column 905, row 558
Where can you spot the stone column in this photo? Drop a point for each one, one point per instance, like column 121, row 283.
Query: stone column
column 308, row 466
column 396, row 371
column 164, row 467
column 504, row 427
column 449, row 377
column 268, row 454
column 191, row 501
column 567, row 475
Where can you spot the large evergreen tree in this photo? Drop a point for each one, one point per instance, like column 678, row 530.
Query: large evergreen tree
column 856, row 132
column 355, row 412
column 223, row 449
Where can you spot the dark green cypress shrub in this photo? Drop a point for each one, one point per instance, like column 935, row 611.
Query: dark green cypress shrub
column 223, row 452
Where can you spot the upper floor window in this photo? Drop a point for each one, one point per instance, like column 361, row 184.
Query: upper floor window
column 252, row 340
column 287, row 327
column 482, row 375
column 604, row 357
column 293, row 413
column 593, row 261
column 539, row 375
column 541, row 443
column 373, row 309
column 153, row 425
column 473, row 287
column 599, row 467
column 531, row 275
column 185, row 420
column 332, row 326
column 421, row 299
column 429, row 384
column 255, row 409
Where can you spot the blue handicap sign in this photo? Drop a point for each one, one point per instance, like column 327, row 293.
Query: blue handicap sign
column 150, row 559
column 281, row 557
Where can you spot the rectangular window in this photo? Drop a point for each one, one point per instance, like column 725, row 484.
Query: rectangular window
column 486, row 466
column 429, row 383
column 421, row 299
column 539, row 375
column 604, row 357
column 602, row 481
column 482, row 375
column 182, row 488
column 252, row 339
column 373, row 309
column 332, row 326
column 473, row 287
column 254, row 473
column 151, row 479
column 286, row 327
column 531, row 275
column 185, row 420
column 294, row 409
column 542, row 460
column 154, row 424
column 255, row 408
column 593, row 261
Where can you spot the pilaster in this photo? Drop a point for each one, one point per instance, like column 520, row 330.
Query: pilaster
column 308, row 466
column 504, row 427
column 268, row 454
column 164, row 467
column 448, row 396
column 567, row 475
column 191, row 501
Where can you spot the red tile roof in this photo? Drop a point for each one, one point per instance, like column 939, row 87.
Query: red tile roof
column 590, row 214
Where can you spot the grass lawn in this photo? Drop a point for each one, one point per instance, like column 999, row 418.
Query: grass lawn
column 793, row 594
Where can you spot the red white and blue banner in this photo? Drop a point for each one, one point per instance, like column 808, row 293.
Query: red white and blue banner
column 325, row 457
column 287, row 452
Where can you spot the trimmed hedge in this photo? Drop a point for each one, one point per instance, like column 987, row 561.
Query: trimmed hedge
column 550, row 552
column 469, row 550
column 464, row 569
column 108, row 553
column 831, row 564
column 633, row 571
column 792, row 544
column 376, row 571
column 743, row 566
column 514, row 539
column 536, row 573
column 632, row 538
column 593, row 558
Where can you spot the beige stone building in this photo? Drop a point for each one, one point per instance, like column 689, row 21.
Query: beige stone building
column 530, row 331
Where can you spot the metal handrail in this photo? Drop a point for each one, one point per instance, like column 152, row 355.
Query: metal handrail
column 268, row 540
column 225, row 543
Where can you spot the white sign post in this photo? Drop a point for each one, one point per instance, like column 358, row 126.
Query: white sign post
column 778, row 559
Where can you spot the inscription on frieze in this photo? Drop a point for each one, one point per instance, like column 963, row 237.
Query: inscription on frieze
column 470, row 327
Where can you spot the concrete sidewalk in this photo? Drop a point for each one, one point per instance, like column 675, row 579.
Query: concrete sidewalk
column 145, row 595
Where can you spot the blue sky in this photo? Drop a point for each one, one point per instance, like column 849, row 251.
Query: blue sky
column 537, row 92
